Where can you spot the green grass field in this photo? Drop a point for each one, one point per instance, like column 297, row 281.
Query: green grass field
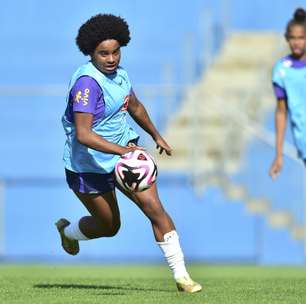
column 149, row 284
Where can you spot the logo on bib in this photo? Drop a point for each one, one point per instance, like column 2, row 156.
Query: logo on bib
column 126, row 103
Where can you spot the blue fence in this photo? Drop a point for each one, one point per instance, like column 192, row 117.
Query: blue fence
column 39, row 50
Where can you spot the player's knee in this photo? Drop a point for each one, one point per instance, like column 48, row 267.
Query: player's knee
column 113, row 229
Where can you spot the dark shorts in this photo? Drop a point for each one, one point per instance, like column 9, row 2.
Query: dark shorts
column 92, row 182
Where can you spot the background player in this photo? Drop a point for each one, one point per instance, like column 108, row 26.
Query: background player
column 100, row 95
column 289, row 81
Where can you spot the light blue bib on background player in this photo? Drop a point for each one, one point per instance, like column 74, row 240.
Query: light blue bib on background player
column 292, row 79
column 112, row 126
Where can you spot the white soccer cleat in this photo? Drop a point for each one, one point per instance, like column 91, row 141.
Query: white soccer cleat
column 186, row 284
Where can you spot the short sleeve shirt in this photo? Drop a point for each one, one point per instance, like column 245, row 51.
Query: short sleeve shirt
column 86, row 96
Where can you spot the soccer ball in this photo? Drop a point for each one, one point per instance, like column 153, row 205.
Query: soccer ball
column 136, row 171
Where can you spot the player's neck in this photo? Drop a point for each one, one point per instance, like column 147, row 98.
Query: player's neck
column 300, row 58
column 110, row 75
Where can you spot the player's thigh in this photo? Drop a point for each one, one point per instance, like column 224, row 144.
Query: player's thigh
column 103, row 206
column 148, row 201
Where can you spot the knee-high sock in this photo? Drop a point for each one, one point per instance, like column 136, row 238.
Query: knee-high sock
column 174, row 255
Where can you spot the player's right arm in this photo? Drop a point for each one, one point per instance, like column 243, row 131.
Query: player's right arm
column 85, row 136
column 278, row 82
column 280, row 128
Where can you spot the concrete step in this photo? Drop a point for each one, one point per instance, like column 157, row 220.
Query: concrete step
column 280, row 219
column 298, row 232
column 258, row 206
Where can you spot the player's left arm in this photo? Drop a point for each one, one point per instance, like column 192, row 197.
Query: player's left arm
column 139, row 113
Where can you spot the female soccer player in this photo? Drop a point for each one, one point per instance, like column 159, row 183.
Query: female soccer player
column 99, row 98
column 289, row 81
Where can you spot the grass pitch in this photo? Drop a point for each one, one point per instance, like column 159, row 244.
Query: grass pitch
column 37, row 284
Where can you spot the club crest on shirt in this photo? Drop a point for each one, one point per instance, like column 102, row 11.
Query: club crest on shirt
column 82, row 97
column 126, row 103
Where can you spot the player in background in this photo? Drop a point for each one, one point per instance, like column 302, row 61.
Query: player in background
column 289, row 82
column 99, row 98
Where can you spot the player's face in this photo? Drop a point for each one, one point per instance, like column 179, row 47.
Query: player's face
column 296, row 38
column 106, row 56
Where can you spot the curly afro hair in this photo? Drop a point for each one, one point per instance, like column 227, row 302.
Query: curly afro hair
column 99, row 28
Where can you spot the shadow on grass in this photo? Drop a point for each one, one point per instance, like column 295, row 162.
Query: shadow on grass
column 99, row 287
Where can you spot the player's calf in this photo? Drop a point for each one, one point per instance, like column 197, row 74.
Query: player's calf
column 95, row 227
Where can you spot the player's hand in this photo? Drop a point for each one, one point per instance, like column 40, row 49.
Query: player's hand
column 130, row 148
column 162, row 146
column 276, row 167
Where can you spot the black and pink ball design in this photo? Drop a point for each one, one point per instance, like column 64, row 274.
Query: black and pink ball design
column 136, row 171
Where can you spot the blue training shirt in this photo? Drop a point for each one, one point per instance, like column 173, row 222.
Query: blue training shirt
column 289, row 81
column 106, row 97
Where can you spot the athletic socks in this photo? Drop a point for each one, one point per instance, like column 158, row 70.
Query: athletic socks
column 170, row 247
column 73, row 232
column 174, row 255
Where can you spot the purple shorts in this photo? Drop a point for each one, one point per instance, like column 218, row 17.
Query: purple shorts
column 92, row 182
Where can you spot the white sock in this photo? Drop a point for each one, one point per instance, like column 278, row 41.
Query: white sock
column 73, row 232
column 174, row 255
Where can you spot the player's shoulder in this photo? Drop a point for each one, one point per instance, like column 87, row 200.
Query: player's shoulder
column 87, row 69
column 87, row 84
column 87, row 81
column 83, row 69
column 283, row 62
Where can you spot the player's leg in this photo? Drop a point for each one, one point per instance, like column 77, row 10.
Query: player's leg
column 165, row 234
column 97, row 193
column 150, row 204
column 104, row 221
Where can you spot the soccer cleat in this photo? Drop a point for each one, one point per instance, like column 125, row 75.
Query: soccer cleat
column 70, row 246
column 186, row 284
